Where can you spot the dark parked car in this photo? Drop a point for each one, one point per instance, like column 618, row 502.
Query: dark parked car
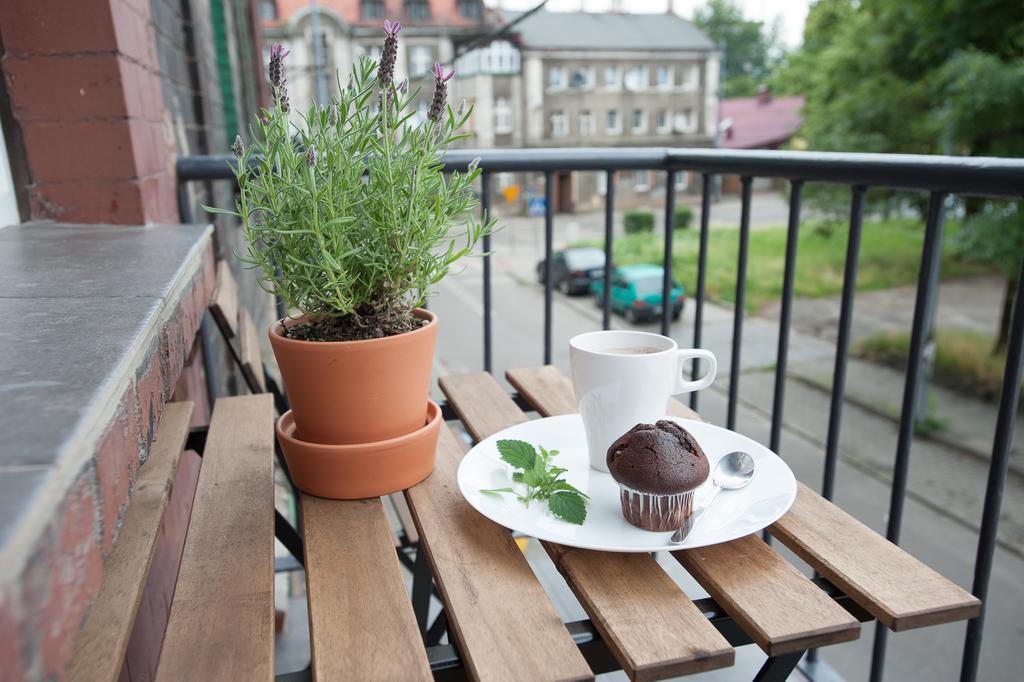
column 572, row 270
column 636, row 293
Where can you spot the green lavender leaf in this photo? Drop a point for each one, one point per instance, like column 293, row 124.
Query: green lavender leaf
column 568, row 506
column 517, row 453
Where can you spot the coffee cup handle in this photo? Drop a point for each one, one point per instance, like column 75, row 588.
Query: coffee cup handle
column 685, row 354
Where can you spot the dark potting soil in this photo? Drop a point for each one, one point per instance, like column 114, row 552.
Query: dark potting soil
column 354, row 327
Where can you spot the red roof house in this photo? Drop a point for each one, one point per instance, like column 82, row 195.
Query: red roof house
column 759, row 122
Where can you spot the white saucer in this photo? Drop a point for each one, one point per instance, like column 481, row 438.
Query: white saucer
column 735, row 513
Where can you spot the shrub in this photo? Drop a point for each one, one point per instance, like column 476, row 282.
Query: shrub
column 638, row 221
column 683, row 217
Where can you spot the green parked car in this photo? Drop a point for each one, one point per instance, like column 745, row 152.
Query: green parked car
column 636, row 293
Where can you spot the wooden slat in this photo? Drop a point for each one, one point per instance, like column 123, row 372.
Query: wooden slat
column 653, row 629
column 888, row 583
column 252, row 358
column 775, row 604
column 221, row 625
column 224, row 307
column 361, row 622
column 550, row 392
column 404, row 518
column 499, row 615
column 103, row 640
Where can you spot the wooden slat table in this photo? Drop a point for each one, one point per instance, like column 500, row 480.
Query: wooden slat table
column 503, row 626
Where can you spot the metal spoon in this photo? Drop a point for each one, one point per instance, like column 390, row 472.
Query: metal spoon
column 734, row 471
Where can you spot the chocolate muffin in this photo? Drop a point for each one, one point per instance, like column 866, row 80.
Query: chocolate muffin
column 657, row 467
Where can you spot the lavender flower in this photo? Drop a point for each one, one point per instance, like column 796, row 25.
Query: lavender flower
column 238, row 148
column 386, row 70
column 277, row 55
column 440, row 92
column 311, row 156
column 332, row 117
column 277, row 79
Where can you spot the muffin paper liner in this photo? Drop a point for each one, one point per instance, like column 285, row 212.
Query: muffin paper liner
column 654, row 512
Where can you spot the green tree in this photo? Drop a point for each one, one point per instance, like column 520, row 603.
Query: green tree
column 920, row 76
column 748, row 46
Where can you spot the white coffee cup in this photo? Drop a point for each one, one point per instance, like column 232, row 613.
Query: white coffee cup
column 624, row 378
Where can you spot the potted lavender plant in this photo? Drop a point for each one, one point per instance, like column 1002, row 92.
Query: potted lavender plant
column 350, row 219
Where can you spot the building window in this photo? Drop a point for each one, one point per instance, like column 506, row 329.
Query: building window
column 686, row 122
column 612, row 123
column 637, row 78
column 691, row 78
column 586, row 123
column 639, row 121
column 501, row 56
column 470, row 9
column 420, row 58
column 602, row 182
column 641, row 180
column 371, row 9
column 502, row 115
column 556, row 77
column 559, row 124
column 612, row 78
column 664, row 122
column 682, row 181
column 582, row 79
column 663, row 77
column 417, row 10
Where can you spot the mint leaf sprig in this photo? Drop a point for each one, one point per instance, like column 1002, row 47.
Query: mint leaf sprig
column 542, row 480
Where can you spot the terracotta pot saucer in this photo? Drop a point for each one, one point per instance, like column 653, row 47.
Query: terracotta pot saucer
column 352, row 472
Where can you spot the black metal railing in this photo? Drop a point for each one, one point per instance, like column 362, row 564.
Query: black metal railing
column 940, row 176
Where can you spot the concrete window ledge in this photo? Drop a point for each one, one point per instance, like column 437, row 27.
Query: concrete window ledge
column 96, row 324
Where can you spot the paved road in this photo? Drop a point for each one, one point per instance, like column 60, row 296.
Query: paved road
column 940, row 514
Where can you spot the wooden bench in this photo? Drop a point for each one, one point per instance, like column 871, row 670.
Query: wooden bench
column 221, row 615
column 501, row 623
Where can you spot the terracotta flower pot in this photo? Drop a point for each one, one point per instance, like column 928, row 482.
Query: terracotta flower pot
column 347, row 392
column 352, row 472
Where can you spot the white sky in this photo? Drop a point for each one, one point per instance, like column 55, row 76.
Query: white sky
column 792, row 12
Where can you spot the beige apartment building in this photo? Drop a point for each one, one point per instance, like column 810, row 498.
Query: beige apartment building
column 550, row 80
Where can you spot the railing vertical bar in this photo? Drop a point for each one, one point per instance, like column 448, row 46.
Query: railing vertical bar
column 930, row 261
column 741, row 290
column 843, row 342
column 666, row 280
column 702, row 259
column 609, row 219
column 842, row 351
column 997, row 472
column 485, row 205
column 549, row 228
column 792, row 237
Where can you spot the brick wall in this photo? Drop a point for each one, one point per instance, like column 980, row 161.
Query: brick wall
column 42, row 610
column 99, row 98
column 84, row 95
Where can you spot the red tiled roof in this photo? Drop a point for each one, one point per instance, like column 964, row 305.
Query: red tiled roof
column 442, row 12
column 758, row 124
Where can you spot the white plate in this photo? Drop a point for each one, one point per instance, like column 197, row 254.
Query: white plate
column 736, row 513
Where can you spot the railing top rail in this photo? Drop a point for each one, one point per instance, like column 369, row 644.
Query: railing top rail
column 985, row 176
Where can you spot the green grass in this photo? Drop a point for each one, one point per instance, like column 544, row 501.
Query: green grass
column 963, row 359
column 889, row 256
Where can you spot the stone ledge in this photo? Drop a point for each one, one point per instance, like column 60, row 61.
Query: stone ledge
column 101, row 320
